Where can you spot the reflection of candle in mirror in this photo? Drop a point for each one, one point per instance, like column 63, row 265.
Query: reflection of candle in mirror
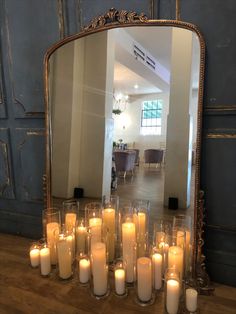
column 172, row 296
column 45, row 261
column 84, row 270
column 120, row 281
column 157, row 270
column 191, row 300
column 35, row 257
column 108, row 215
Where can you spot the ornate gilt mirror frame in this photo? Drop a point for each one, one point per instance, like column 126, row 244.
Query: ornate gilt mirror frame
column 115, row 19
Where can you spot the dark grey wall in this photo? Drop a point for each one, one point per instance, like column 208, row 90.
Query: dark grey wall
column 29, row 27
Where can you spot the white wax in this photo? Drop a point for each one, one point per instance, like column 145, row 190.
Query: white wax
column 128, row 242
column 70, row 221
column 176, row 259
column 191, row 300
column 120, row 281
column 108, row 215
column 53, row 230
column 99, row 268
column 45, row 261
column 172, row 296
column 144, row 278
column 95, row 225
column 84, row 270
column 81, row 239
column 35, row 257
column 157, row 270
column 64, row 259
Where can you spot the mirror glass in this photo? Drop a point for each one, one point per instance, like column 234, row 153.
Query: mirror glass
column 131, row 90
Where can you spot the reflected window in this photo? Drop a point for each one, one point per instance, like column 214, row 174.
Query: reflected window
column 151, row 117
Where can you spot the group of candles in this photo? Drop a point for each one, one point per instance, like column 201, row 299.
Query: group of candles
column 108, row 237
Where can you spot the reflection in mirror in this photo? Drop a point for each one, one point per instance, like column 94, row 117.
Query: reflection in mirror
column 121, row 91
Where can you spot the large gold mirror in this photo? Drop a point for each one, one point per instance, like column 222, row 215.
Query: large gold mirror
column 127, row 84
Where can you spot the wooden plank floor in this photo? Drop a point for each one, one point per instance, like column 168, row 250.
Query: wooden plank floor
column 22, row 290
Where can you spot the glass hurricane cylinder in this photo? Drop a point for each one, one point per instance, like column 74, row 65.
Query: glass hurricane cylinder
column 81, row 238
column 157, row 267
column 64, row 252
column 141, row 220
column 110, row 219
column 144, row 281
column 70, row 214
column 183, row 223
column 172, row 291
column 129, row 253
column 93, row 218
column 119, row 278
column 84, row 267
column 52, row 222
column 99, row 271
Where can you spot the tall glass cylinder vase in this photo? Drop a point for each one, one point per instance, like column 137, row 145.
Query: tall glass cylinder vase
column 172, row 291
column 144, row 281
column 129, row 248
column 110, row 220
column 52, row 226
column 176, row 254
column 183, row 223
column 70, row 214
column 64, row 252
column 93, row 218
column 99, row 274
column 141, row 220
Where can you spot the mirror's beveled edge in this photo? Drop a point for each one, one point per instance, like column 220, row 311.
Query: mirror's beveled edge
column 198, row 258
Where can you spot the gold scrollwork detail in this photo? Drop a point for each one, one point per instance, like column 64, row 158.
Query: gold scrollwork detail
column 114, row 16
column 220, row 136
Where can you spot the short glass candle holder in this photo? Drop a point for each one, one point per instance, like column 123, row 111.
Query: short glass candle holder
column 119, row 278
column 157, row 268
column 84, row 269
column 45, row 260
column 34, row 255
column 191, row 299
column 52, row 227
column 64, row 257
column 144, row 284
column 99, row 271
column 70, row 214
column 172, row 291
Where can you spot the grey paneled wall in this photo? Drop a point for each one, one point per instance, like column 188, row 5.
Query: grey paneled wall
column 29, row 27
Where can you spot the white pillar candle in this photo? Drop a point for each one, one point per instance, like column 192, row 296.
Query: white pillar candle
column 64, row 258
column 176, row 259
column 99, row 268
column 53, row 230
column 128, row 242
column 70, row 221
column 45, row 261
column 71, row 241
column 108, row 215
column 144, row 279
column 95, row 225
column 120, row 281
column 172, row 296
column 34, row 257
column 81, row 233
column 157, row 270
column 191, row 300
column 84, row 270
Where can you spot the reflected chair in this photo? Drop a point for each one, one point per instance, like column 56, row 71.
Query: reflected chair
column 153, row 156
column 125, row 161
